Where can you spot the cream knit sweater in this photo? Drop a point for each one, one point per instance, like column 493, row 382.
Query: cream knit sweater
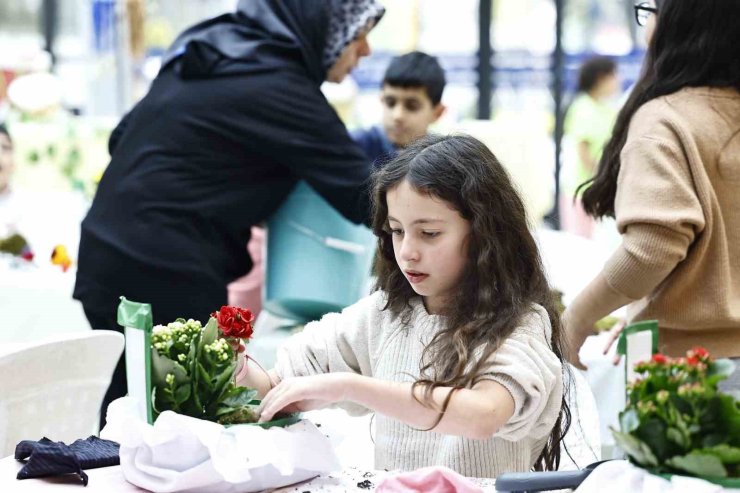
column 366, row 340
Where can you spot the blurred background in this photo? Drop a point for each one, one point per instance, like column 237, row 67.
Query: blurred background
column 69, row 69
column 511, row 68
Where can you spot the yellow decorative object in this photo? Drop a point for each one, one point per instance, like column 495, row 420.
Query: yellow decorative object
column 60, row 257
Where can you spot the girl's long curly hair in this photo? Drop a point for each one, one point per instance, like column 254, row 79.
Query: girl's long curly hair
column 503, row 277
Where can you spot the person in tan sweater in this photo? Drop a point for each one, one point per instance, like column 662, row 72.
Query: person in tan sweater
column 670, row 175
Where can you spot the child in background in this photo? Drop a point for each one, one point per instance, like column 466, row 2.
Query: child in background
column 12, row 240
column 8, row 210
column 458, row 350
column 588, row 126
column 412, row 100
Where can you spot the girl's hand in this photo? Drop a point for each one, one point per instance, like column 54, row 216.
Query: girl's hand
column 305, row 394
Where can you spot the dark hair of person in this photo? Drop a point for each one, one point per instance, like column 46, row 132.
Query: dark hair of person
column 503, row 277
column 417, row 69
column 695, row 44
column 4, row 131
column 594, row 70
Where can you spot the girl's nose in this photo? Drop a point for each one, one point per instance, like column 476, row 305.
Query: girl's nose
column 409, row 252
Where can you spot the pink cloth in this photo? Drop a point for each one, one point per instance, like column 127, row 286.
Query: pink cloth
column 246, row 292
column 428, row 480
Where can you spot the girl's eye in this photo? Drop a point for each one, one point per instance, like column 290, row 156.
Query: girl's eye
column 396, row 232
column 430, row 234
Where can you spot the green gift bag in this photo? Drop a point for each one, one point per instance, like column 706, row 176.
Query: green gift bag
column 136, row 320
column 637, row 342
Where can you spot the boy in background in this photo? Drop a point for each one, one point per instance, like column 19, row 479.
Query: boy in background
column 412, row 100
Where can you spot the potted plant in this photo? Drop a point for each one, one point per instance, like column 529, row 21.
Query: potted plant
column 192, row 369
column 678, row 422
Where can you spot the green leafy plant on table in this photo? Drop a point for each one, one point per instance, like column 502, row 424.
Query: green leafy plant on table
column 193, row 368
column 678, row 422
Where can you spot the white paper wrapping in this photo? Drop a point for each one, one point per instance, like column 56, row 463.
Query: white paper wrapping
column 183, row 454
column 606, row 381
column 619, row 476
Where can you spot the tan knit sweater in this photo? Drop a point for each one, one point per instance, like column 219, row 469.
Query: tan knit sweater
column 678, row 210
column 365, row 340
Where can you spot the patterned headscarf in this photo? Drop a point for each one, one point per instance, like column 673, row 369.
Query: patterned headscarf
column 346, row 19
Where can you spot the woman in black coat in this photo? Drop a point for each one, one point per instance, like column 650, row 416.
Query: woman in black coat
column 232, row 122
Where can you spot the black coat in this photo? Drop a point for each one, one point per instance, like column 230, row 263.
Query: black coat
column 234, row 119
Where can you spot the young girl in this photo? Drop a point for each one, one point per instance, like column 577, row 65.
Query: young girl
column 458, row 350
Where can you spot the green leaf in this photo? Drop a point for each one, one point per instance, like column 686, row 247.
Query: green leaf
column 699, row 464
column 193, row 360
column 713, row 439
column 726, row 453
column 224, row 410
column 182, row 393
column 239, row 397
column 222, row 383
column 210, row 332
column 161, row 366
column 205, row 378
column 653, row 431
column 676, row 437
column 728, row 417
column 638, row 450
column 629, row 421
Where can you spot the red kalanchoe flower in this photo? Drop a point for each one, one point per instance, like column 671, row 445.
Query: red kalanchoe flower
column 692, row 360
column 700, row 352
column 659, row 358
column 234, row 322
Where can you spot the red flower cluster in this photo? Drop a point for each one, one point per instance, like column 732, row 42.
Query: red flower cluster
column 694, row 357
column 659, row 358
column 234, row 322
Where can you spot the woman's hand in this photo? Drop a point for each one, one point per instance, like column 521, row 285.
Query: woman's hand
column 576, row 332
column 305, row 394
column 614, row 334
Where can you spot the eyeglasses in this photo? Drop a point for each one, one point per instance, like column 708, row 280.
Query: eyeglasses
column 643, row 11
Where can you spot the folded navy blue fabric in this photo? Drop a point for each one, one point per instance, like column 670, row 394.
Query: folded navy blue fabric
column 46, row 458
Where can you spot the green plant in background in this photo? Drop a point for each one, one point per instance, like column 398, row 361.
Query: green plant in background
column 676, row 419
column 193, row 372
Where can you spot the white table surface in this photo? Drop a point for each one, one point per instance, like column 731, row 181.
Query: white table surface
column 103, row 480
column 36, row 301
column 110, row 479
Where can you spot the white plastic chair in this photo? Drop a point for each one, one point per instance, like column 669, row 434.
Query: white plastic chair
column 54, row 388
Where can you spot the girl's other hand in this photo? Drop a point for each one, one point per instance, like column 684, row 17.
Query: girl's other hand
column 305, row 394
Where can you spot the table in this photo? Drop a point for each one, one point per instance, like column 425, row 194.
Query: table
column 110, row 479
column 103, row 480
column 36, row 302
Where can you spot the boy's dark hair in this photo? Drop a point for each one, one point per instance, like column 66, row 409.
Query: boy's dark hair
column 4, row 131
column 417, row 69
column 593, row 70
column 503, row 277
